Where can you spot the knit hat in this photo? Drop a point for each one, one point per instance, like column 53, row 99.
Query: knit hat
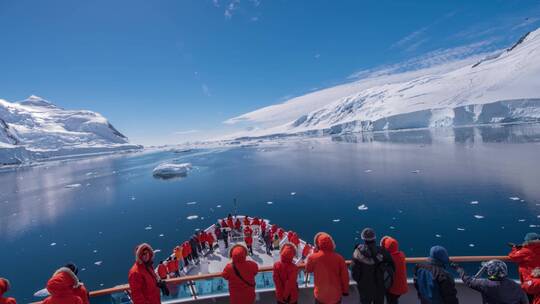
column 532, row 236
column 368, row 234
column 439, row 255
column 496, row 269
column 72, row 267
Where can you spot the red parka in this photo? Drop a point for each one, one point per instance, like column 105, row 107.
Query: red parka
column 527, row 258
column 224, row 224
column 4, row 287
column 329, row 269
column 237, row 224
column 399, row 286
column 210, row 239
column 230, row 222
column 263, row 225
column 307, row 250
column 256, row 221
column 162, row 270
column 248, row 238
column 240, row 291
column 143, row 280
column 285, row 275
column 531, row 286
column 281, row 233
column 61, row 287
column 247, row 222
column 172, row 265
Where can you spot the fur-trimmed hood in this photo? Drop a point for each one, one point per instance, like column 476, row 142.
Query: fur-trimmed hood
column 238, row 253
column 62, row 282
column 4, row 286
column 323, row 241
column 139, row 251
column 287, row 252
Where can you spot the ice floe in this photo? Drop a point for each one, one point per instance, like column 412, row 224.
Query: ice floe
column 71, row 186
column 53, row 244
column 170, row 170
column 521, row 220
column 161, row 235
column 362, row 207
column 192, row 217
column 269, row 203
column 293, row 193
column 514, row 198
column 474, row 203
column 218, row 206
column 438, row 235
column 336, row 220
column 98, row 263
column 368, row 171
column 471, row 245
column 479, row 216
column 460, row 229
column 191, row 203
column 415, row 171
column 148, row 228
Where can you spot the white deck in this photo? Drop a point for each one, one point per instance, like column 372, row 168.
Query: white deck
column 216, row 261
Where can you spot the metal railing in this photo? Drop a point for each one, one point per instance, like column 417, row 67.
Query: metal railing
column 191, row 279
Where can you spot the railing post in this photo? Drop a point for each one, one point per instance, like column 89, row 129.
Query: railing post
column 192, row 289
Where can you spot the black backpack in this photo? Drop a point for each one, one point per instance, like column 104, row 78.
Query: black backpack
column 387, row 272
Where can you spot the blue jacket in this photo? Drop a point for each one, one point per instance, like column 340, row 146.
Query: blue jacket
column 433, row 283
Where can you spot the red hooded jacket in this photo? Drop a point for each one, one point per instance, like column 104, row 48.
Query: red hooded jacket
column 329, row 269
column 240, row 291
column 248, row 235
column 531, row 286
column 61, row 287
column 4, row 287
column 399, row 287
column 285, row 275
column 527, row 258
column 256, row 221
column 143, row 280
column 172, row 265
column 307, row 250
column 210, row 238
column 162, row 270
column 237, row 224
column 247, row 222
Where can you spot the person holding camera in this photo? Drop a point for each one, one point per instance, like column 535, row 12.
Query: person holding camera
column 497, row 288
column 143, row 281
column 526, row 256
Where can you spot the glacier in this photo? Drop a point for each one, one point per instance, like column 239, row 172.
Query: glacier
column 502, row 87
column 35, row 129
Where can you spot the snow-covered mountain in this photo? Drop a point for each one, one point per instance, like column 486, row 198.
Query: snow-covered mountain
column 502, row 87
column 35, row 129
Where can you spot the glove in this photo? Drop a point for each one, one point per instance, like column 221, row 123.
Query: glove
column 163, row 286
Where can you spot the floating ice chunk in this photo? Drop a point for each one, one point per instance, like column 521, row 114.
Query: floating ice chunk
column 71, row 186
column 157, row 250
column 192, row 217
column 98, row 263
column 521, row 220
column 269, row 203
column 191, row 203
column 415, row 171
column 474, row 203
column 336, row 220
column 53, row 244
column 218, row 206
column 368, row 171
column 95, row 251
column 89, row 173
column 293, row 193
column 148, row 228
column 514, row 198
column 392, row 227
column 471, row 245
column 161, row 235
column 132, row 198
column 169, row 170
column 479, row 216
column 533, row 226
column 522, row 200
column 438, row 236
column 460, row 229
column 362, row 207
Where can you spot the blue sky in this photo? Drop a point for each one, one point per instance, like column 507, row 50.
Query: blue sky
column 170, row 71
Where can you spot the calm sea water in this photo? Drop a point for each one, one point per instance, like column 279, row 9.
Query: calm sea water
column 422, row 187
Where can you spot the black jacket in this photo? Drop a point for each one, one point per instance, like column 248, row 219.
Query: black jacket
column 504, row 291
column 365, row 268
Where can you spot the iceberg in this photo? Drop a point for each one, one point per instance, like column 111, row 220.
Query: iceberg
column 170, row 170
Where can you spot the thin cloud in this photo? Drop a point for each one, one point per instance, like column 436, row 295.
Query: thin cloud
column 206, row 90
column 186, row 132
column 216, row 3
column 403, row 42
column 254, row 19
column 229, row 11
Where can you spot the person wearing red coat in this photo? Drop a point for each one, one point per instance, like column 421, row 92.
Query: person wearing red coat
column 230, row 222
column 61, row 287
column 526, row 256
column 256, row 221
column 247, row 222
column 4, row 287
column 185, row 253
column 274, row 228
column 223, row 224
column 142, row 279
column 531, row 285
column 238, row 225
column 248, row 238
column 210, row 239
column 306, row 251
column 399, row 286
column 329, row 269
column 242, row 286
column 162, row 270
column 285, row 274
column 173, row 266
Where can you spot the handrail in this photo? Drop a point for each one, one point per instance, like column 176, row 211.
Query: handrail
column 180, row 280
